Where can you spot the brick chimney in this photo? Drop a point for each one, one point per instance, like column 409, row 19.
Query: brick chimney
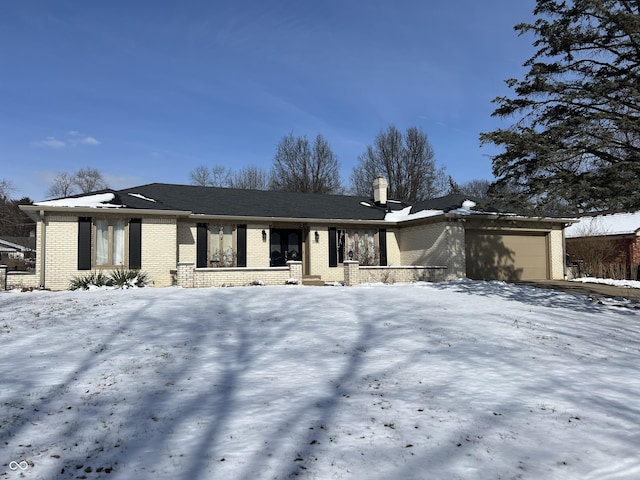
column 380, row 191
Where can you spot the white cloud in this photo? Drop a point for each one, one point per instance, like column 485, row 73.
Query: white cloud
column 89, row 141
column 74, row 138
column 50, row 142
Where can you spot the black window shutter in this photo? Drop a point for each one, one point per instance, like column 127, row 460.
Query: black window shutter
column 201, row 245
column 135, row 243
column 84, row 243
column 241, row 247
column 333, row 247
column 382, row 240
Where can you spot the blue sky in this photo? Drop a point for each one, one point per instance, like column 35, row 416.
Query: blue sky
column 146, row 91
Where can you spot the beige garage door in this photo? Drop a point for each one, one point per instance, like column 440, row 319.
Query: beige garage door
column 506, row 256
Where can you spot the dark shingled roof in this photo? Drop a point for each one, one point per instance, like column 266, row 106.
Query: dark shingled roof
column 450, row 202
column 267, row 204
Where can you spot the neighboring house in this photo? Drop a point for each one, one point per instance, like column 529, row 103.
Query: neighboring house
column 20, row 249
column 204, row 236
column 613, row 246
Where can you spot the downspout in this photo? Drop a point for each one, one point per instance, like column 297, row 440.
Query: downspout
column 629, row 269
column 43, row 242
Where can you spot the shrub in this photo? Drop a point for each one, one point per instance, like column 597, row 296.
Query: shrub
column 119, row 278
column 122, row 278
column 84, row 282
column 594, row 252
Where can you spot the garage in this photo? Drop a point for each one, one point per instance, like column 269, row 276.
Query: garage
column 506, row 255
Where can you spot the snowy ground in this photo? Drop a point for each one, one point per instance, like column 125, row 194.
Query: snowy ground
column 610, row 281
column 461, row 380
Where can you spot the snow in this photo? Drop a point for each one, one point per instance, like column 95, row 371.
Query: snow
column 459, row 380
column 467, row 208
column 94, row 200
column 142, row 197
column 609, row 281
column 405, row 214
column 611, row 224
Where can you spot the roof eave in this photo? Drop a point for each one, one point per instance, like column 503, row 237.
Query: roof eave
column 301, row 220
column 35, row 212
column 519, row 218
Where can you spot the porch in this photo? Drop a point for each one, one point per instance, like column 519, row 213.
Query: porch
column 188, row 276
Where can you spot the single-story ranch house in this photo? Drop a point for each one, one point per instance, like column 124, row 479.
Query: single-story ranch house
column 195, row 236
column 609, row 241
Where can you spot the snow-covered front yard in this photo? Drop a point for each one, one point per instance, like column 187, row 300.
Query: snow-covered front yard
column 461, row 380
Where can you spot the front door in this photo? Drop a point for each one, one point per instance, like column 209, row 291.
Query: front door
column 286, row 244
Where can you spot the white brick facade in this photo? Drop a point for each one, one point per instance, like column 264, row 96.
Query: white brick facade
column 159, row 249
column 59, row 266
column 169, row 245
column 190, row 277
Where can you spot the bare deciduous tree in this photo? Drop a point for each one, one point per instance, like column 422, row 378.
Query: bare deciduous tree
column 406, row 161
column 6, row 188
column 216, row 176
column 249, row 178
column 476, row 188
column 63, row 185
column 84, row 180
column 300, row 167
column 90, row 179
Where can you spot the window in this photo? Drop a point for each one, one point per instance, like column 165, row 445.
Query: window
column 103, row 243
column 368, row 247
column 110, row 242
column 221, row 250
column 341, row 245
column 221, row 245
column 336, row 246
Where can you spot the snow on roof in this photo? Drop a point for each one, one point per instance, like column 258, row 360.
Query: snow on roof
column 95, row 200
column 467, row 208
column 405, row 214
column 142, row 197
column 608, row 224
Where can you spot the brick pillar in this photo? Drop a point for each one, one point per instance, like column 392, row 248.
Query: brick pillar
column 186, row 274
column 351, row 272
column 3, row 277
column 295, row 270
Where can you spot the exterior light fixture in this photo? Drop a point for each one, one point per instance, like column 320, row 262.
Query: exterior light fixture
column 350, row 254
column 317, row 237
column 264, row 236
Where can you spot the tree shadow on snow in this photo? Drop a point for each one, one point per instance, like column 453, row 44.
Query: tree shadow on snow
column 536, row 296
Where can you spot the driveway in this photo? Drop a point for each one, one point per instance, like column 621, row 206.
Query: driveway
column 580, row 288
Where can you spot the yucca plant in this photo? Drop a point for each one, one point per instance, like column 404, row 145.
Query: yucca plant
column 120, row 278
column 123, row 278
column 83, row 282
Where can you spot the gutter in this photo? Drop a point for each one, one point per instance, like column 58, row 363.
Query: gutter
column 317, row 221
column 35, row 212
